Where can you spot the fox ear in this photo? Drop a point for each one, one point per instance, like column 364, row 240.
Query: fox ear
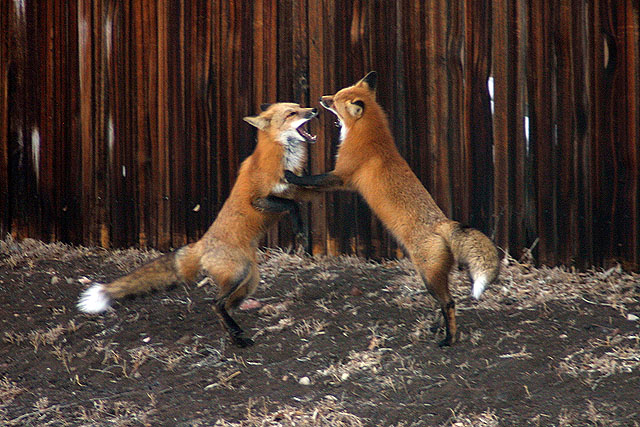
column 257, row 121
column 369, row 81
column 356, row 108
column 264, row 107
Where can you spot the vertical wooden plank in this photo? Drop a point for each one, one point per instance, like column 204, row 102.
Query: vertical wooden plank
column 177, row 40
column 300, row 82
column 292, row 77
column 438, row 99
column 72, row 227
column 265, row 69
column 320, row 14
column 43, row 152
column 566, row 196
column 27, row 202
column 478, row 126
column 70, row 218
column 624, row 123
column 161, row 172
column 502, row 83
column 229, row 154
column 90, row 231
column 513, row 216
column 139, row 182
column 216, row 94
column 458, row 177
column 631, row 27
column 523, row 230
column 203, row 186
column 341, row 219
column 543, row 141
column 604, row 100
column 417, row 109
column 114, row 21
column 7, row 22
column 104, row 14
column 383, row 56
column 189, row 60
column 581, row 73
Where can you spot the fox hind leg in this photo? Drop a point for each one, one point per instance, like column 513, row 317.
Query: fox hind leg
column 434, row 268
column 233, row 288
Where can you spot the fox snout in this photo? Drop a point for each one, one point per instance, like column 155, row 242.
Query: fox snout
column 311, row 114
column 326, row 101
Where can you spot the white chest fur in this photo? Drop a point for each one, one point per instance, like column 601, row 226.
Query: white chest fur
column 295, row 155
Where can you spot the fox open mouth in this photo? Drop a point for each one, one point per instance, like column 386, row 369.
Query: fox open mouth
column 302, row 130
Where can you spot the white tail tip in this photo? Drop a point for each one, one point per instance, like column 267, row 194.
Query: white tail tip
column 94, row 300
column 479, row 284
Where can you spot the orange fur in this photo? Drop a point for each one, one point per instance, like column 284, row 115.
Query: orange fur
column 368, row 162
column 227, row 251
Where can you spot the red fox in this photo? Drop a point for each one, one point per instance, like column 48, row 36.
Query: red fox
column 227, row 251
column 369, row 163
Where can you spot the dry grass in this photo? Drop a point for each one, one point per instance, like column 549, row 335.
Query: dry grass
column 327, row 412
column 600, row 359
column 485, row 419
column 373, row 365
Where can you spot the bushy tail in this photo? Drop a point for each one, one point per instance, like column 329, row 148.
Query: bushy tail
column 474, row 249
column 160, row 273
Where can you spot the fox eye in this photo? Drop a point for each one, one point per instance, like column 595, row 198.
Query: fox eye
column 359, row 103
column 291, row 114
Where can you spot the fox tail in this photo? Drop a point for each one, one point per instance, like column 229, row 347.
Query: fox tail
column 474, row 249
column 158, row 274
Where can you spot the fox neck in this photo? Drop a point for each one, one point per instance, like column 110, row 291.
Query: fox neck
column 274, row 155
column 370, row 133
column 294, row 155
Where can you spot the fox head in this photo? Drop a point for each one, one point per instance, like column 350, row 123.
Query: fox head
column 286, row 123
column 351, row 103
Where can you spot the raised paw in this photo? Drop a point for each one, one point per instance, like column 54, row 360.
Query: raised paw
column 290, row 177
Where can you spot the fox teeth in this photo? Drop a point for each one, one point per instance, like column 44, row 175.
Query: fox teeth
column 306, row 135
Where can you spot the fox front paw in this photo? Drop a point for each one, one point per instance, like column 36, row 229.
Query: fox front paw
column 291, row 177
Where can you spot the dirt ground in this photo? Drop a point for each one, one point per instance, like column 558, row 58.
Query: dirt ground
column 339, row 341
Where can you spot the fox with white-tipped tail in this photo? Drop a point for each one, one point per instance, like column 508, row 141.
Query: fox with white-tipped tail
column 369, row 163
column 227, row 251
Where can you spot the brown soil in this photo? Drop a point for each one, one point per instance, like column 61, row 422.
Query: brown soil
column 339, row 341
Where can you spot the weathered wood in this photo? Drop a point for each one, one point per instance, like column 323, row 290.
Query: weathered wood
column 6, row 61
column 320, row 65
column 542, row 115
column 478, row 123
column 121, row 122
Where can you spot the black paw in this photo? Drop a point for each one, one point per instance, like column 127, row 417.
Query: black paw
column 242, row 342
column 290, row 177
column 445, row 342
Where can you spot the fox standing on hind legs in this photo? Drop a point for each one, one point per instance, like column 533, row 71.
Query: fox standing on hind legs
column 369, row 162
column 227, row 251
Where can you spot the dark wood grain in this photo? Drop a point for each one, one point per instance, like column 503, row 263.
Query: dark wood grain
column 121, row 122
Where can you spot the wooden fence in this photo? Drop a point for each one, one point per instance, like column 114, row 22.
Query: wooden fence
column 120, row 121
